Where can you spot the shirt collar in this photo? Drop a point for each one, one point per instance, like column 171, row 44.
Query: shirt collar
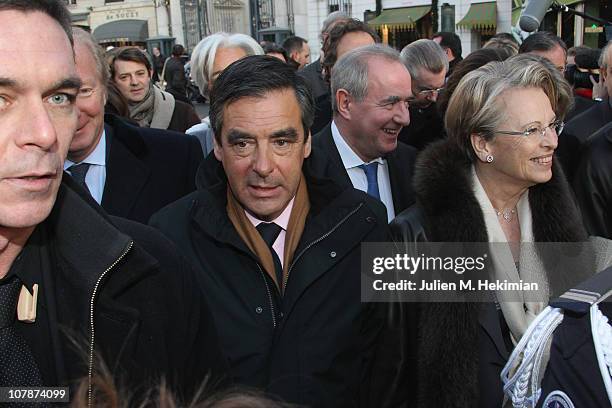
column 96, row 157
column 282, row 220
column 350, row 159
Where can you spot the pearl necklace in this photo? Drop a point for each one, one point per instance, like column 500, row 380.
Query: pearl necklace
column 507, row 214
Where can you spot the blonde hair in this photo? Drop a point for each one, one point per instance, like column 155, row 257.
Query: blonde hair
column 474, row 108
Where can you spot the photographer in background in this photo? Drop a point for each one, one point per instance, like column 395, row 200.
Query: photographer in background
column 589, row 64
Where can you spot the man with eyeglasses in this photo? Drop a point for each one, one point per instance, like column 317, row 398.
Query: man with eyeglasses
column 427, row 63
column 132, row 172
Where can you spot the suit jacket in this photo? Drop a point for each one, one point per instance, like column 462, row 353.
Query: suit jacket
column 426, row 126
column 313, row 76
column 400, row 161
column 146, row 169
column 576, row 133
column 593, row 183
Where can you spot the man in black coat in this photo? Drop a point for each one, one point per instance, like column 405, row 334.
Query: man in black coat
column 365, row 127
column 428, row 65
column 578, row 130
column 593, row 183
column 278, row 244
column 79, row 288
column 174, row 75
column 132, row 172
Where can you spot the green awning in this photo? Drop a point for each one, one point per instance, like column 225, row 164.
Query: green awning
column 516, row 11
column 122, row 30
column 405, row 17
column 516, row 15
column 480, row 16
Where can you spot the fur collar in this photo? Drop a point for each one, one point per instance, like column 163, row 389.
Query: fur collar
column 449, row 335
column 442, row 184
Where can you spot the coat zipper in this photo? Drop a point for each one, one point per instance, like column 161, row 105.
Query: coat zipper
column 91, row 321
column 316, row 241
column 269, row 296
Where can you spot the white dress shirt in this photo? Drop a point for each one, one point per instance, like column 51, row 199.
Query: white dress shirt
column 352, row 161
column 96, row 174
column 282, row 221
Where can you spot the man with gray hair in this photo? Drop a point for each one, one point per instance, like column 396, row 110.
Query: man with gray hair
column 370, row 92
column 131, row 172
column 427, row 63
column 312, row 73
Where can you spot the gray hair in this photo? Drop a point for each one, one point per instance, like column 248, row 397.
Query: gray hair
column 424, row 54
column 331, row 19
column 84, row 38
column 605, row 56
column 203, row 56
column 351, row 71
column 474, row 106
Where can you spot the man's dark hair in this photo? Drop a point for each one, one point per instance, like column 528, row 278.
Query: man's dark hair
column 255, row 76
column 507, row 37
column 330, row 46
column 542, row 41
column 178, row 50
column 293, row 44
column 55, row 9
column 450, row 41
column 273, row 48
column 130, row 54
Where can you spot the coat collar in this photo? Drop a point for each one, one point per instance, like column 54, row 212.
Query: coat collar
column 327, row 198
column 442, row 184
column 86, row 239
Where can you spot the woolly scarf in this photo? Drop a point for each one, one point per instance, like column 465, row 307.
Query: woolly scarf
column 253, row 240
column 155, row 110
column 142, row 112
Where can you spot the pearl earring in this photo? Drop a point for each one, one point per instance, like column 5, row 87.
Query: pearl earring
column 489, row 158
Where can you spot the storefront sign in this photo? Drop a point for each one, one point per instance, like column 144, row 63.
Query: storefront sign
column 121, row 14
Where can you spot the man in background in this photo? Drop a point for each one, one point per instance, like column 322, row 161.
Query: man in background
column 298, row 50
column 427, row 63
column 451, row 44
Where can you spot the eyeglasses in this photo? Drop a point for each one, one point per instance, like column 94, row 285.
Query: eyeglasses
column 430, row 92
column 557, row 126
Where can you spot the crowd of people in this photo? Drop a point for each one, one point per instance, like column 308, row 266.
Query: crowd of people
column 149, row 256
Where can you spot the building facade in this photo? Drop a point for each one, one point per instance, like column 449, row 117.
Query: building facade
column 398, row 22
column 124, row 22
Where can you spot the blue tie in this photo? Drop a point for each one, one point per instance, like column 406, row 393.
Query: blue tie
column 371, row 172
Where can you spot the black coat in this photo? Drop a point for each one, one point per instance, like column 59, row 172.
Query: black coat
column 314, row 344
column 426, row 126
column 576, row 133
column 146, row 169
column 313, row 75
column 400, row 161
column 183, row 117
column 461, row 347
column 593, row 183
column 123, row 288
